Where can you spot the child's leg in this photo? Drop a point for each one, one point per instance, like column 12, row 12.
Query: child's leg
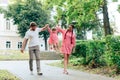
column 50, row 46
column 55, row 46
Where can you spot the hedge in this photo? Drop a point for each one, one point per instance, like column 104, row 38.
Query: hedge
column 96, row 53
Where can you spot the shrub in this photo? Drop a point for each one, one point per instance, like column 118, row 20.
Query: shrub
column 80, row 50
column 91, row 52
column 95, row 51
column 113, row 52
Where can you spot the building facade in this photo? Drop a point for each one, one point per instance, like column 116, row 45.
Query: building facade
column 9, row 38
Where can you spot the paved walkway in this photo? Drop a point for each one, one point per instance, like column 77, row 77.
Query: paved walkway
column 20, row 69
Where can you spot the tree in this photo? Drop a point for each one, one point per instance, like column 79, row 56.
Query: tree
column 25, row 11
column 107, row 28
column 83, row 12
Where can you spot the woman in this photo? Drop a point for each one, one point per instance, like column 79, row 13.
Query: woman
column 68, row 43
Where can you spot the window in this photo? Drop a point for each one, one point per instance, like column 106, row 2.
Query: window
column 41, row 45
column 7, row 24
column 8, row 44
column 19, row 45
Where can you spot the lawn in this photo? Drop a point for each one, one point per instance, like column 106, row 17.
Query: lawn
column 5, row 75
column 13, row 55
column 101, row 71
column 17, row 55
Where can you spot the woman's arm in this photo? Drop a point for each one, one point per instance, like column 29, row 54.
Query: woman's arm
column 74, row 40
column 59, row 29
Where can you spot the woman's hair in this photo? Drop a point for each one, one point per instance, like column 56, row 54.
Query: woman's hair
column 71, row 33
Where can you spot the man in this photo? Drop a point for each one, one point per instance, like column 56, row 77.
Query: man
column 33, row 36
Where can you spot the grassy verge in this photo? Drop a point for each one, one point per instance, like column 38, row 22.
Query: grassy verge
column 17, row 55
column 109, row 72
column 13, row 55
column 5, row 75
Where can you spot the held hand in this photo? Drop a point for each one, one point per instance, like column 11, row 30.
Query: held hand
column 47, row 25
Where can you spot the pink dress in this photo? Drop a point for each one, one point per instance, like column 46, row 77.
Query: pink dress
column 53, row 39
column 67, row 46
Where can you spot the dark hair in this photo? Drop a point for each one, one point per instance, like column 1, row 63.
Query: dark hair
column 32, row 24
column 53, row 29
column 72, row 26
column 71, row 33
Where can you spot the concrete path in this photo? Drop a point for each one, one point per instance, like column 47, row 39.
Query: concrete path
column 21, row 70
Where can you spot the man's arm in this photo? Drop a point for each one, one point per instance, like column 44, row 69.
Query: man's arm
column 24, row 45
column 45, row 27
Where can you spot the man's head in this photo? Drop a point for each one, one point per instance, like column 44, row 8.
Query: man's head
column 33, row 26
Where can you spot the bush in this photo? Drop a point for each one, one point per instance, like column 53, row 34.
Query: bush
column 91, row 52
column 97, row 53
column 113, row 52
column 81, row 49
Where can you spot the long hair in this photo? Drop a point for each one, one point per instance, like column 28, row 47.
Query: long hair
column 71, row 33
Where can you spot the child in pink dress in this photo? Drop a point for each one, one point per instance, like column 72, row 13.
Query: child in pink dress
column 53, row 39
column 68, row 43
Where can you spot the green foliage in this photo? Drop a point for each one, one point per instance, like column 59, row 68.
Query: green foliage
column 5, row 75
column 91, row 52
column 113, row 52
column 118, row 8
column 77, row 61
column 114, row 0
column 81, row 49
column 96, row 53
column 23, row 12
column 83, row 12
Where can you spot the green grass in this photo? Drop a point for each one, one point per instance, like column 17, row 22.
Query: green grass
column 13, row 55
column 109, row 72
column 17, row 55
column 5, row 75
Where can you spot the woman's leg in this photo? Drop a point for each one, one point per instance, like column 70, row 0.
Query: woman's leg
column 68, row 58
column 65, row 63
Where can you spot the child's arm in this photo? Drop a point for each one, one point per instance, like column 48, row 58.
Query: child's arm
column 49, row 30
column 24, row 45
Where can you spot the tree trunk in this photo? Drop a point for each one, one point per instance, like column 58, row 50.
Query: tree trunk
column 45, row 38
column 106, row 19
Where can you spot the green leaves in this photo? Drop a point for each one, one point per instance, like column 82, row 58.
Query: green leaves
column 23, row 12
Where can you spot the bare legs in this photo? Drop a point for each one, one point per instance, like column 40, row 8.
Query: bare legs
column 66, row 61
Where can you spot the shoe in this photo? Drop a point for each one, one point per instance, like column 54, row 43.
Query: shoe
column 65, row 72
column 39, row 73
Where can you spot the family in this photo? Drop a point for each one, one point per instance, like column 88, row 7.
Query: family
column 68, row 43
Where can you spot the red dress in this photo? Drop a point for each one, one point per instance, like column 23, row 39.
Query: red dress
column 67, row 46
column 53, row 39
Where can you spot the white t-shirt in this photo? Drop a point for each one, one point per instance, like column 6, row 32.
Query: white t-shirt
column 33, row 37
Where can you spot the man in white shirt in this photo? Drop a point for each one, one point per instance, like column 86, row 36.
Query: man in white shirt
column 33, row 36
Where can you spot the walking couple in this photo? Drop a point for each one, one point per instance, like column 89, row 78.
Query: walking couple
column 68, row 43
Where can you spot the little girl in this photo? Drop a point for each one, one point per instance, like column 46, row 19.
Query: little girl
column 53, row 39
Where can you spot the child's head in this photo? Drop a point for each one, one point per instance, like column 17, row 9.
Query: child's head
column 53, row 29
